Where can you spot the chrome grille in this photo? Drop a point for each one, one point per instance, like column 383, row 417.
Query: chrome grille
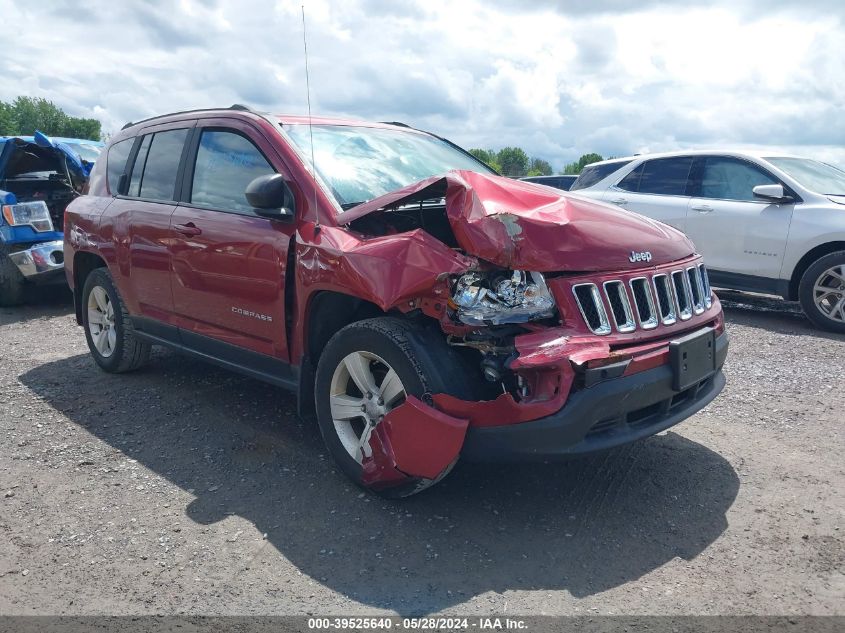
column 696, row 289
column 683, row 300
column 592, row 307
column 665, row 301
column 620, row 306
column 705, row 280
column 644, row 302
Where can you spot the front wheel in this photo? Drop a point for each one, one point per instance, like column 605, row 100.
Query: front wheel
column 822, row 292
column 368, row 369
column 108, row 328
column 11, row 281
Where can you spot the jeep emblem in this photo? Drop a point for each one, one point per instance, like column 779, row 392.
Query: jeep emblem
column 635, row 257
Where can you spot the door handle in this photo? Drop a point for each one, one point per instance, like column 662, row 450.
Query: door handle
column 190, row 229
column 703, row 208
column 619, row 201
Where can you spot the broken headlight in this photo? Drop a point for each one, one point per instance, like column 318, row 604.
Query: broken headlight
column 34, row 214
column 501, row 297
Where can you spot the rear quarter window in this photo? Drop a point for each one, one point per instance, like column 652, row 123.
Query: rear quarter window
column 591, row 174
column 116, row 162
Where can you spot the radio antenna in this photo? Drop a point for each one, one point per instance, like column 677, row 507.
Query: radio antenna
column 310, row 126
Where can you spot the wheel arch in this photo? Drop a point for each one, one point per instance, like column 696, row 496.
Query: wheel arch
column 807, row 260
column 84, row 263
column 326, row 313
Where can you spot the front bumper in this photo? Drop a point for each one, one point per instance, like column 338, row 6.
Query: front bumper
column 41, row 261
column 605, row 415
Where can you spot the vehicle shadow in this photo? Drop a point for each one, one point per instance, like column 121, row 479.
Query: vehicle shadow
column 585, row 526
column 39, row 301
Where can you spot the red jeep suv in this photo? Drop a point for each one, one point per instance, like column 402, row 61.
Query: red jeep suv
column 421, row 306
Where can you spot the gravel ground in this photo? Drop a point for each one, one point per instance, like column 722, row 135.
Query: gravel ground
column 186, row 489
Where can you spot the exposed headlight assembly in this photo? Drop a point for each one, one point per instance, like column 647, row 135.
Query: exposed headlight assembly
column 34, row 214
column 500, row 297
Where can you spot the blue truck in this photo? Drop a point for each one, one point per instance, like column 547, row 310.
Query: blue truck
column 39, row 176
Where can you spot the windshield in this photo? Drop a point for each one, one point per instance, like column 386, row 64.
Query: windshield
column 362, row 163
column 815, row 176
column 86, row 152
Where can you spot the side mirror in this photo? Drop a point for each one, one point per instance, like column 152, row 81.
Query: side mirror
column 775, row 193
column 271, row 198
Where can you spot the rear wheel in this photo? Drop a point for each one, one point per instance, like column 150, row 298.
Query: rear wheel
column 822, row 292
column 108, row 328
column 368, row 369
column 11, row 281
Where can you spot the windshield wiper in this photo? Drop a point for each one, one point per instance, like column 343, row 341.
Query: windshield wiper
column 348, row 205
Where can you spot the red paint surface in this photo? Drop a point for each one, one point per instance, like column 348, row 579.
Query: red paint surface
column 416, row 440
column 517, row 224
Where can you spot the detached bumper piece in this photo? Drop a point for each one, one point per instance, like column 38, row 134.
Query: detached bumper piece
column 602, row 416
column 40, row 261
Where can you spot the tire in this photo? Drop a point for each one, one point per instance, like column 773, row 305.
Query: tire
column 825, row 308
column 113, row 342
column 11, row 281
column 423, row 362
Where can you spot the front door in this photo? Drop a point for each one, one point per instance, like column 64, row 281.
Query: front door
column 734, row 230
column 228, row 262
column 656, row 189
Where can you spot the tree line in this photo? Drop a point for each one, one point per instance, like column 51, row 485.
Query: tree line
column 24, row 115
column 514, row 162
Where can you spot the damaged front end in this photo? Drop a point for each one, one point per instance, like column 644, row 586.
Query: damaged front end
column 500, row 265
column 38, row 179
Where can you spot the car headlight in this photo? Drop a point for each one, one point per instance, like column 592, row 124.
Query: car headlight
column 34, row 214
column 495, row 298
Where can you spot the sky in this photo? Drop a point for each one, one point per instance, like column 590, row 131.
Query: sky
column 559, row 79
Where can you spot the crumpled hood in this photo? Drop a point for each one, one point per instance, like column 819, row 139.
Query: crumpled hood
column 520, row 225
column 42, row 154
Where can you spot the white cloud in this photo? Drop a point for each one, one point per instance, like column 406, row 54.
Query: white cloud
column 611, row 77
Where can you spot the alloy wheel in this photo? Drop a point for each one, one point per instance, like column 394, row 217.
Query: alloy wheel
column 829, row 293
column 101, row 323
column 364, row 388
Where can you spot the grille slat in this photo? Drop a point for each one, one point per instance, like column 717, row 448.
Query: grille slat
column 646, row 301
column 683, row 300
column 696, row 289
column 620, row 306
column 708, row 292
column 665, row 301
column 592, row 307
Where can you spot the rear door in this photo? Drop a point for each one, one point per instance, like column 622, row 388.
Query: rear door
column 734, row 230
column 229, row 263
column 657, row 189
column 137, row 223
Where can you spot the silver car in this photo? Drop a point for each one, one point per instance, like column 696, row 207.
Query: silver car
column 765, row 222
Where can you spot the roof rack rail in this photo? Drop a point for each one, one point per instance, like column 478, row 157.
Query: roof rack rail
column 235, row 106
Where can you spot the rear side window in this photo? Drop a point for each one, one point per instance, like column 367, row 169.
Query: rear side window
column 116, row 162
column 631, row 182
column 159, row 179
column 730, row 179
column 666, row 176
column 591, row 174
column 226, row 163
